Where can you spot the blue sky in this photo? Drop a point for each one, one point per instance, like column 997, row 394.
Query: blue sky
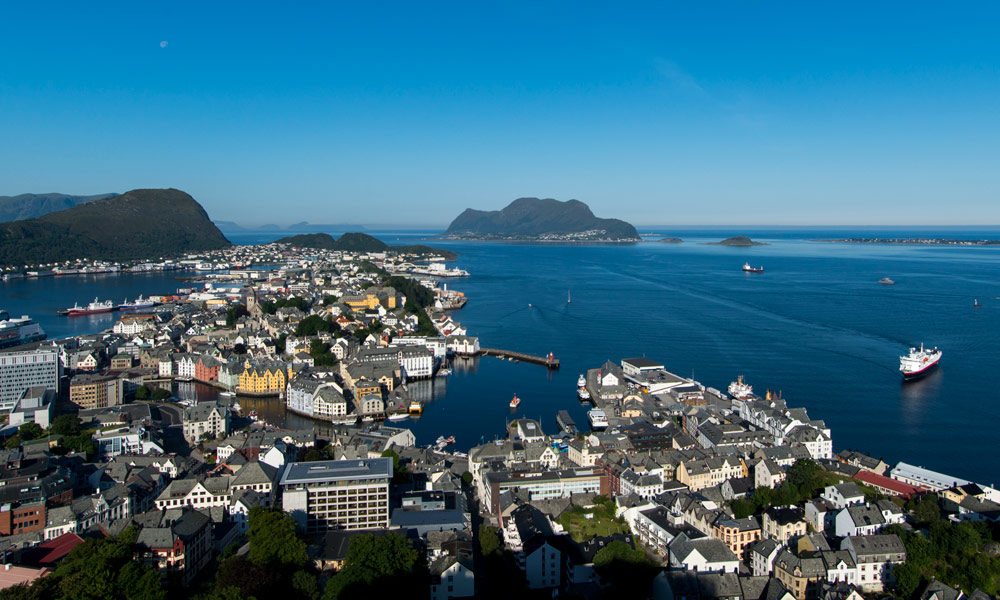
column 385, row 113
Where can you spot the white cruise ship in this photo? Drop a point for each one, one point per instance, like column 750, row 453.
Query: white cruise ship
column 14, row 332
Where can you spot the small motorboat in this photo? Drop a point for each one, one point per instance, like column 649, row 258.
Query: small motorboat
column 515, row 401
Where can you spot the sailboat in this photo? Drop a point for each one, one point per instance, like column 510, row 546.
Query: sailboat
column 975, row 303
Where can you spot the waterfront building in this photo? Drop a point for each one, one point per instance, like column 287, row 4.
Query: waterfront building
column 23, row 369
column 205, row 418
column 921, row 477
column 96, row 391
column 264, row 377
column 338, row 494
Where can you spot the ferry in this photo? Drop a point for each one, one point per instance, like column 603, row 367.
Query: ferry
column 140, row 302
column 581, row 388
column 93, row 308
column 598, row 419
column 416, row 408
column 14, row 332
column 748, row 269
column 581, row 381
column 918, row 362
column 739, row 389
column 515, row 401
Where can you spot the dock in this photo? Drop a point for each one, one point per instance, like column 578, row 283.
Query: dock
column 549, row 361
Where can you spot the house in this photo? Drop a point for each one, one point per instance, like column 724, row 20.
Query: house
column 784, row 523
column 738, row 534
column 768, row 473
column 844, row 494
column 205, row 418
column 801, row 575
column 701, row 473
column 762, row 556
column 702, row 555
column 875, row 555
column 175, row 541
column 452, row 577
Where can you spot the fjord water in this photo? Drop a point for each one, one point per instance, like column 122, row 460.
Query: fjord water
column 815, row 325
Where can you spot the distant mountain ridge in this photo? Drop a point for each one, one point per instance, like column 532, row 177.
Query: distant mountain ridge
column 540, row 219
column 303, row 226
column 358, row 242
column 139, row 224
column 30, row 206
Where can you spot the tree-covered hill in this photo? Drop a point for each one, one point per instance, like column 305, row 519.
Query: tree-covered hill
column 30, row 206
column 138, row 224
column 534, row 218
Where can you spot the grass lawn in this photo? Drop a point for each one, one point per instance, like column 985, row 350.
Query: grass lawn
column 583, row 529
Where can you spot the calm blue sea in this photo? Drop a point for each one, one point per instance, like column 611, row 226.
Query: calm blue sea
column 816, row 326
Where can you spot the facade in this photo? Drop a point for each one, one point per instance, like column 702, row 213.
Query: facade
column 96, row 391
column 22, row 369
column 177, row 544
column 338, row 494
column 875, row 555
column 784, row 523
column 738, row 534
column 205, row 418
column 263, row 378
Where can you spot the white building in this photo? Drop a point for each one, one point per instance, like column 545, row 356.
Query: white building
column 338, row 494
column 34, row 406
column 23, row 369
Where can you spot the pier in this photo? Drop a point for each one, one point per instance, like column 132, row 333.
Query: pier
column 549, row 361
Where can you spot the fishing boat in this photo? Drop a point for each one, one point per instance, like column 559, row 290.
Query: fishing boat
column 515, row 401
column 140, row 302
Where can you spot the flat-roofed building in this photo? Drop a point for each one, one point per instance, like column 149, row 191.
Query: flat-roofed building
column 96, row 391
column 338, row 494
column 22, row 369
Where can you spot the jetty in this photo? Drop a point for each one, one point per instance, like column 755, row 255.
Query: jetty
column 549, row 361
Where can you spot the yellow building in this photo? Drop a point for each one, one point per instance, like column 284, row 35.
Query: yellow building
column 264, row 378
column 372, row 297
column 707, row 472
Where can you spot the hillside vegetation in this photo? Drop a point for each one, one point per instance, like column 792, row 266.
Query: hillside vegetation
column 30, row 206
column 135, row 225
column 534, row 218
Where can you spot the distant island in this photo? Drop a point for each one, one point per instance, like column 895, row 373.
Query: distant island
column 360, row 242
column 670, row 240
column 738, row 241
column 139, row 224
column 303, row 226
column 915, row 241
column 32, row 206
column 540, row 220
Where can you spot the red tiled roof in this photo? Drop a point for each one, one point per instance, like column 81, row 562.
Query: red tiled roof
column 903, row 489
column 50, row 552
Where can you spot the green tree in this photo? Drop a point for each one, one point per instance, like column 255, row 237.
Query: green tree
column 377, row 567
column 30, row 431
column 305, row 585
column 312, row 325
column 234, row 312
column 142, row 393
column 161, row 394
column 489, row 540
column 273, row 539
column 628, row 571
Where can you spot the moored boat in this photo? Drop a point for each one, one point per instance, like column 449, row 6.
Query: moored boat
column 598, row 419
column 93, row 308
column 140, row 302
column 14, row 331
